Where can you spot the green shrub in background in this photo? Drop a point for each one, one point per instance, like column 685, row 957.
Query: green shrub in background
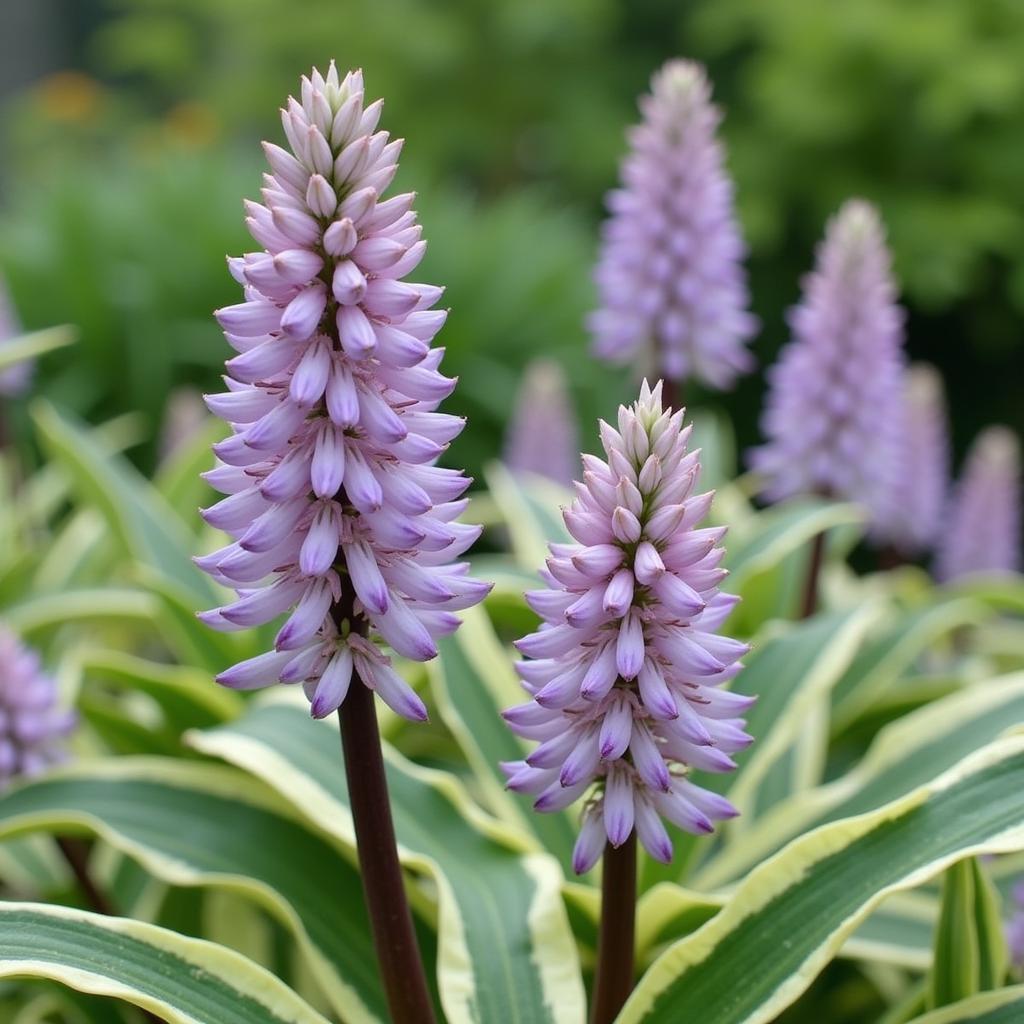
column 123, row 186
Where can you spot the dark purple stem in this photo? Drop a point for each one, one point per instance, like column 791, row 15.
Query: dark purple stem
column 614, row 978
column 398, row 956
column 77, row 856
column 809, row 604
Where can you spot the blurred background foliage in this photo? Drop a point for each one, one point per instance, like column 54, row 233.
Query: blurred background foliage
column 130, row 127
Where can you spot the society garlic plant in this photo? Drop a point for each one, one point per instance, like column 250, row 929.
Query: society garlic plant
column 212, row 853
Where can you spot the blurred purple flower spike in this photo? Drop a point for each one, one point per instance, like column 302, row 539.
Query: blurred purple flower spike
column 543, row 438
column 832, row 412
column 912, row 518
column 673, row 292
column 32, row 725
column 982, row 529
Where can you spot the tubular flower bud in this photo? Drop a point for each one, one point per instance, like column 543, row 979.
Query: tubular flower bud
column 670, row 276
column 982, row 528
column 626, row 669
column 338, row 515
column 832, row 414
column 32, row 725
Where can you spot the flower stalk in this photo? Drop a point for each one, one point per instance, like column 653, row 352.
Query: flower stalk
column 76, row 857
column 613, row 979
column 394, row 939
column 809, row 601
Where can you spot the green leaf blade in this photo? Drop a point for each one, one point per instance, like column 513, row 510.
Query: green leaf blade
column 185, row 981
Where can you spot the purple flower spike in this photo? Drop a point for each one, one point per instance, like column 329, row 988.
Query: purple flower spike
column 913, row 516
column 832, row 411
column 542, row 437
column 626, row 668
column 982, row 528
column 32, row 725
column 339, row 516
column 670, row 276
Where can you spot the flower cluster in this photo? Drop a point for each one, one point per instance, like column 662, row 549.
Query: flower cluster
column 542, row 437
column 982, row 531
column 914, row 513
column 625, row 672
column 32, row 725
column 337, row 510
column 832, row 409
column 670, row 275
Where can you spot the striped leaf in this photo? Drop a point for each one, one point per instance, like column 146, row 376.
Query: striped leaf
column 178, row 479
column 907, row 753
column 881, row 662
column 781, row 531
column 789, row 674
column 184, row 981
column 103, row 604
column 205, row 825
column 184, row 694
column 530, row 512
column 789, row 671
column 472, row 681
column 1003, row 1007
column 898, row 933
column 505, row 951
column 789, row 917
column 970, row 949
column 31, row 346
column 148, row 528
column 955, row 968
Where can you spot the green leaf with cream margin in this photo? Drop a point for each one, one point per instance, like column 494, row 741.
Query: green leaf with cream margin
column 760, row 544
column 1006, row 1006
column 505, row 950
column 910, row 752
column 790, row 670
column 147, row 528
column 31, row 346
column 181, row 980
column 789, row 674
column 898, row 933
column 531, row 511
column 789, row 917
column 472, row 681
column 881, row 662
column 208, row 825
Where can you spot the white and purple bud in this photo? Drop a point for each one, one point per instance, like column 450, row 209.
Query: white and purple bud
column 625, row 671
column 832, row 413
column 981, row 532
column 338, row 514
column 673, row 291
column 33, row 726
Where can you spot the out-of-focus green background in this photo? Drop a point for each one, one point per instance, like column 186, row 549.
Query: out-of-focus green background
column 130, row 131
